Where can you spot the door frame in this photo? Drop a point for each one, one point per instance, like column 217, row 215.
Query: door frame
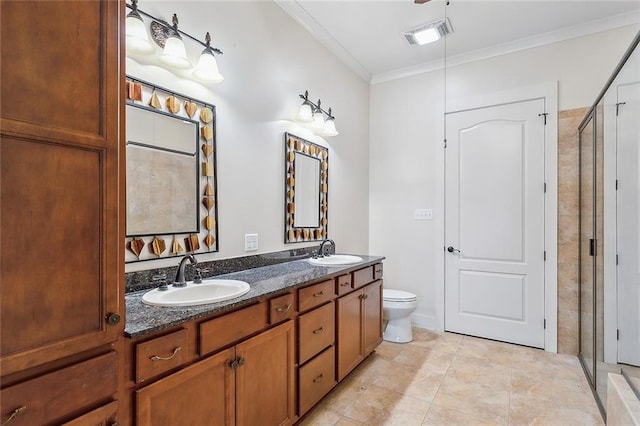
column 548, row 91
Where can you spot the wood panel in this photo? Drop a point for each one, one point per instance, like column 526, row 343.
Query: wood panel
column 362, row 276
column 201, row 394
column 50, row 397
column 51, row 55
column 349, row 336
column 316, row 331
column 265, row 382
column 161, row 354
column 232, row 327
column 316, row 378
column 102, row 416
column 372, row 316
column 282, row 308
column 315, row 295
column 61, row 258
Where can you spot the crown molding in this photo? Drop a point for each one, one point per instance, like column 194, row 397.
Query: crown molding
column 563, row 34
column 300, row 15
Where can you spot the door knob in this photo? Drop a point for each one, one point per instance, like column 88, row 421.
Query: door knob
column 450, row 249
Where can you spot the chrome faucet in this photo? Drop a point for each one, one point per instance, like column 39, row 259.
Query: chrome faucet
column 321, row 250
column 180, row 281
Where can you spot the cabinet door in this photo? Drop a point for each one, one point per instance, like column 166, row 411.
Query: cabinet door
column 103, row 416
column 201, row 394
column 61, row 254
column 265, row 378
column 372, row 316
column 349, row 322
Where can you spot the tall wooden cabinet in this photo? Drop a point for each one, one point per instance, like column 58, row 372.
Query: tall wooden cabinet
column 61, row 260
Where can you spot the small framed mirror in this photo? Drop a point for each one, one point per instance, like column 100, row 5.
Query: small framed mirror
column 306, row 190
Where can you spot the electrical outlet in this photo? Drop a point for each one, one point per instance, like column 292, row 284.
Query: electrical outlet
column 423, row 214
column 250, row 242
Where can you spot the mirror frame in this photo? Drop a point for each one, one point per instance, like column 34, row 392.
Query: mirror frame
column 294, row 144
column 140, row 93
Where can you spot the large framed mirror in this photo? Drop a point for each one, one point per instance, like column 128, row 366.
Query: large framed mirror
column 171, row 202
column 306, row 190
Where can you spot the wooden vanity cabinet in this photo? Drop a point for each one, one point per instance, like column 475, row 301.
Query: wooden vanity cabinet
column 359, row 321
column 61, row 251
column 250, row 382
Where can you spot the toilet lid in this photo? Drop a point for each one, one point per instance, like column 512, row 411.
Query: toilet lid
column 392, row 295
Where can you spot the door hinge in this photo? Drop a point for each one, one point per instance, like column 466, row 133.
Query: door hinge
column 545, row 187
column 617, row 183
column 617, row 259
column 618, row 334
column 445, row 144
column 592, row 247
column 544, row 323
column 545, row 255
column 544, row 114
column 618, row 107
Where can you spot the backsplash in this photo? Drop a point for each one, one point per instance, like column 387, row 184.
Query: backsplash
column 141, row 280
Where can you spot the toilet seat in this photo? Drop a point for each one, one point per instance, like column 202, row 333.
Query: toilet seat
column 391, row 295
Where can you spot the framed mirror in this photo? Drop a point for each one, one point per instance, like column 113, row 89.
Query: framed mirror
column 171, row 202
column 306, row 190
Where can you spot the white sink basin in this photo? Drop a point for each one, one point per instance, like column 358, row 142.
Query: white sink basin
column 336, row 260
column 209, row 291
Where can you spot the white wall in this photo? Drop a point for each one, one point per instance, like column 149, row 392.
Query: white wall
column 406, row 155
column 268, row 60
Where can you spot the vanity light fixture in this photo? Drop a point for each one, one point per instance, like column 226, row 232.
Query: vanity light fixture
column 171, row 39
column 174, row 54
column 137, row 37
column 314, row 116
column 305, row 113
column 428, row 33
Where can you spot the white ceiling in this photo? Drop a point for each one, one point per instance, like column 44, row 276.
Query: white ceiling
column 367, row 34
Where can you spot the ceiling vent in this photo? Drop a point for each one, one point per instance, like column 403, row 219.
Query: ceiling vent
column 428, row 33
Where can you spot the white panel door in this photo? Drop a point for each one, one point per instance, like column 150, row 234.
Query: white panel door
column 495, row 223
column 628, row 221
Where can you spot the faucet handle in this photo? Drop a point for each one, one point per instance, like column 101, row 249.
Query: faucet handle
column 199, row 271
column 161, row 281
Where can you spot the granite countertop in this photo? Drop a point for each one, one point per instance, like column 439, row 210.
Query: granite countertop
column 143, row 319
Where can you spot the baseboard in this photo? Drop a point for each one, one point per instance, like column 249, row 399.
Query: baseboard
column 423, row 321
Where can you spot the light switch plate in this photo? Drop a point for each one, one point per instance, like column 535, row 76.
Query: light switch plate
column 423, row 214
column 250, row 242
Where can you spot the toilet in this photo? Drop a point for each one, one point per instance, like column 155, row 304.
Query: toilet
column 397, row 305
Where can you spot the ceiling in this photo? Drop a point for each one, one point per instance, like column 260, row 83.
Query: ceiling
column 367, row 34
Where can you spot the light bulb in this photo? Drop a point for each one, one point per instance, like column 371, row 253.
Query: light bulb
column 137, row 37
column 207, row 68
column 329, row 128
column 304, row 113
column 174, row 53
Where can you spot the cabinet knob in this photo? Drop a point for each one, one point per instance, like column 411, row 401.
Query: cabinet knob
column 113, row 318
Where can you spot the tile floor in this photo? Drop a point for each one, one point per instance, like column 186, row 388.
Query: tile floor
column 449, row 379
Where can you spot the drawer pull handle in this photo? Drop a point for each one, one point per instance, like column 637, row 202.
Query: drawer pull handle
column 15, row 414
column 318, row 330
column 344, row 284
column 319, row 378
column 166, row 358
column 283, row 308
column 318, row 294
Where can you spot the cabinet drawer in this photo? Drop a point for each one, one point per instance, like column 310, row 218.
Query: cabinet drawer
column 316, row 379
column 281, row 308
column 362, row 277
column 377, row 271
column 232, row 327
column 343, row 284
column 316, row 331
column 315, row 295
column 160, row 354
column 48, row 398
